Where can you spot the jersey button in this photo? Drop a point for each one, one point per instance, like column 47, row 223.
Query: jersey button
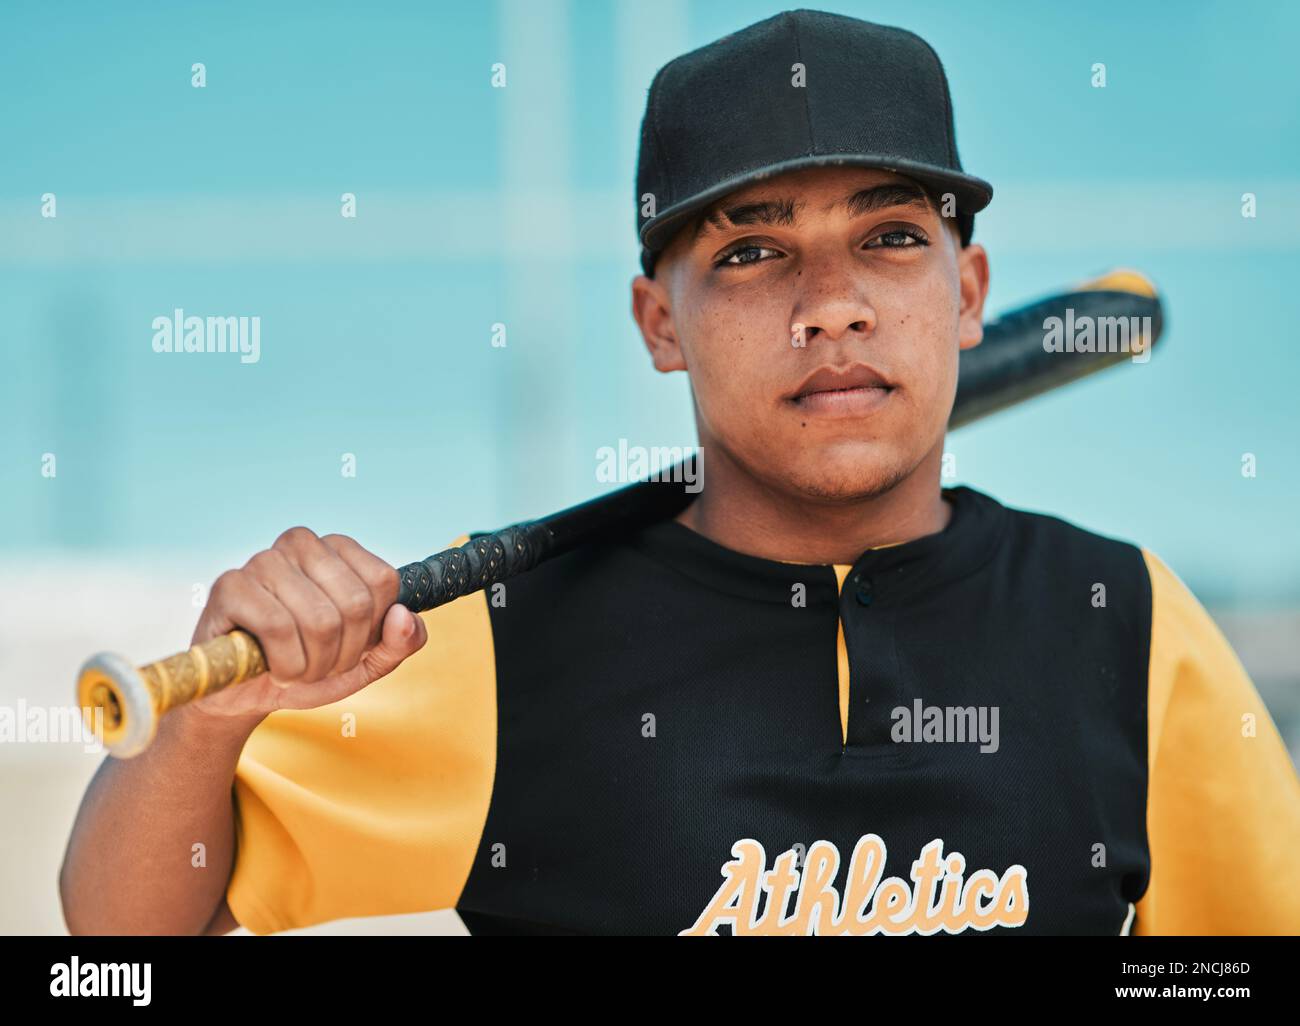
column 863, row 591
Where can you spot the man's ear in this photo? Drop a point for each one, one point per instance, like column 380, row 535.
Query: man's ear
column 973, row 276
column 652, row 310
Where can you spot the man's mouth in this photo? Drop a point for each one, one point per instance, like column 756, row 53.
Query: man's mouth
column 850, row 391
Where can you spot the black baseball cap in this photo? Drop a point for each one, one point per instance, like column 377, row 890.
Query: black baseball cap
column 739, row 110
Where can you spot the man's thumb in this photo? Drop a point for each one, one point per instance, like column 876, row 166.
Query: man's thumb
column 402, row 635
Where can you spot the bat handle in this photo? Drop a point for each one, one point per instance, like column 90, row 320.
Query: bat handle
column 478, row 564
column 123, row 704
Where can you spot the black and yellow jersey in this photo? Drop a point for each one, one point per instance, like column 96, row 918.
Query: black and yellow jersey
column 1011, row 725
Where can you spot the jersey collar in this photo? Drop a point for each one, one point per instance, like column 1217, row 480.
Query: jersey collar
column 969, row 540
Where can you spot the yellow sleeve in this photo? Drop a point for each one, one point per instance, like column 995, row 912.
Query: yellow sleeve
column 1223, row 801
column 373, row 805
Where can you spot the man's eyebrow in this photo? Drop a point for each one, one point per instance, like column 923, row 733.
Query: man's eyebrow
column 881, row 197
column 783, row 211
column 779, row 212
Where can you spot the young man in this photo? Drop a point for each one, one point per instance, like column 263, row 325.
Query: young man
column 828, row 697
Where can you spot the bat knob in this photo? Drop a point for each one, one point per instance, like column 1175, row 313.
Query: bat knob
column 117, row 704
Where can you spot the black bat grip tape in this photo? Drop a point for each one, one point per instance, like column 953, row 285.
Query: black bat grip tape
column 479, row 563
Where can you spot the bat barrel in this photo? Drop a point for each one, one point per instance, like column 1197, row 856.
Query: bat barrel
column 1026, row 363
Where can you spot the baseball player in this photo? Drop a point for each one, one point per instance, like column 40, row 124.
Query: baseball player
column 830, row 697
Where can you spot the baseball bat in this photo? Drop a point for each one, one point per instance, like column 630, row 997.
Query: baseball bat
column 123, row 704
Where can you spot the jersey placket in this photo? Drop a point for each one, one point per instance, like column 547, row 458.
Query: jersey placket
column 871, row 687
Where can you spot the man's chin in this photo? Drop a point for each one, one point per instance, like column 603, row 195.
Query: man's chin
column 850, row 473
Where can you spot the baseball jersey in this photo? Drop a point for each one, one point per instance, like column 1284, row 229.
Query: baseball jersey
column 1010, row 725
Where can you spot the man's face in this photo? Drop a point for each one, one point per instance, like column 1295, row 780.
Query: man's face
column 820, row 314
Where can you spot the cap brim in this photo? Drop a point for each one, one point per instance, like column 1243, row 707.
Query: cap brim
column 972, row 194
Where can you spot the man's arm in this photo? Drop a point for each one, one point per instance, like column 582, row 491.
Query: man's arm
column 1223, row 799
column 222, row 923
column 133, row 864
column 153, row 846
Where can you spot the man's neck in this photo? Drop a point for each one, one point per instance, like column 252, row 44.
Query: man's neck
column 741, row 513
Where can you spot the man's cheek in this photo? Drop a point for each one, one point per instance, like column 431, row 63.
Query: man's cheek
column 723, row 398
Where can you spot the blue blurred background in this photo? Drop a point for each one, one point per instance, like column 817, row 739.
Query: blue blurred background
column 478, row 205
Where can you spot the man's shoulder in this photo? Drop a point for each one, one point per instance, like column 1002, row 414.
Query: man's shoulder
column 1057, row 541
column 1063, row 572
column 1053, row 526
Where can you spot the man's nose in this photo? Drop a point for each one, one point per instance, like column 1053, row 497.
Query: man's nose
column 833, row 300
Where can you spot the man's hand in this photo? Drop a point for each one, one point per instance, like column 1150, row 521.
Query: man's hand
column 323, row 610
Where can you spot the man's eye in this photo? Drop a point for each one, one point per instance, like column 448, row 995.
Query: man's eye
column 728, row 259
column 899, row 238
